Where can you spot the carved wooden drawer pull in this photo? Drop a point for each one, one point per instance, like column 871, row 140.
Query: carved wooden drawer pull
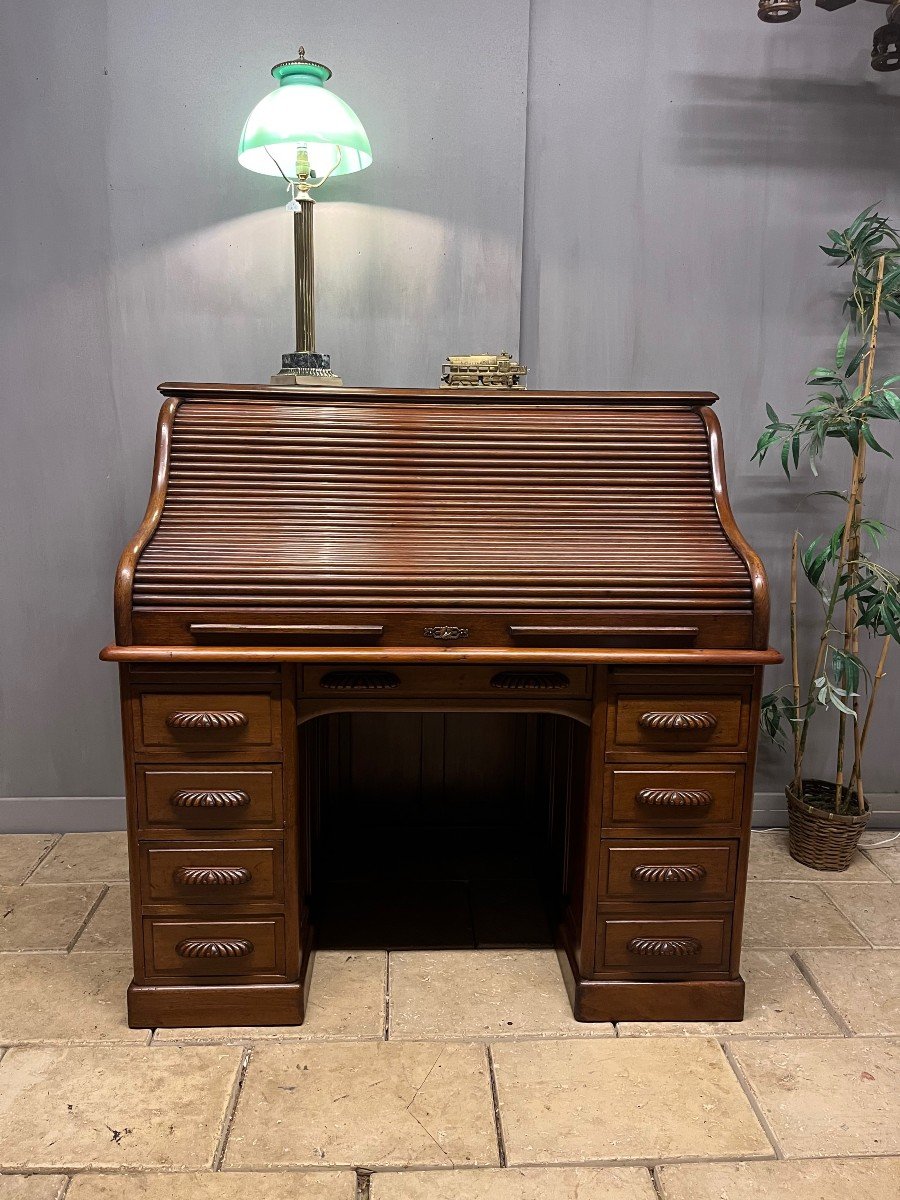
column 206, row 720
column 210, row 948
column 201, row 799
column 211, row 876
column 682, row 722
column 668, row 874
column 360, row 681
column 674, row 947
column 674, row 798
column 530, row 681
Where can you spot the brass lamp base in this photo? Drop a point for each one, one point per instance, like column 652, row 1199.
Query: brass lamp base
column 306, row 368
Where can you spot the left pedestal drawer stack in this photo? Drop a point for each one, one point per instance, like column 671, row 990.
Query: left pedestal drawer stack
column 215, row 882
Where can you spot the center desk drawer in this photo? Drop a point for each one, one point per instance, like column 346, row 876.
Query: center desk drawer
column 233, row 874
column 195, row 722
column 202, row 797
column 214, row 948
column 518, row 682
column 685, row 871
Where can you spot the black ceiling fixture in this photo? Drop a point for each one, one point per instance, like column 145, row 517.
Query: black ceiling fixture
column 885, row 45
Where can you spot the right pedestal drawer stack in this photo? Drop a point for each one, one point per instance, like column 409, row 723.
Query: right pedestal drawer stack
column 676, row 760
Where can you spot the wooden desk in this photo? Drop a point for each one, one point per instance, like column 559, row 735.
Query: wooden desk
column 568, row 555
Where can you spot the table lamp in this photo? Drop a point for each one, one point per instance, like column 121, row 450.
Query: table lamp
column 304, row 133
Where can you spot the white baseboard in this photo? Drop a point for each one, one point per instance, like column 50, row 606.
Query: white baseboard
column 61, row 814
column 769, row 810
column 93, row 814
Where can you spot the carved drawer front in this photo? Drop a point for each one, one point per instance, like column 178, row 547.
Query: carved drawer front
column 214, row 948
column 206, row 875
column 200, row 722
column 652, row 947
column 677, row 871
column 529, row 683
column 682, row 798
column 170, row 798
column 680, row 723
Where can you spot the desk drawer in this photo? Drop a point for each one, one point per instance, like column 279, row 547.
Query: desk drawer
column 685, row 871
column 203, row 722
column 214, row 948
column 652, row 947
column 212, row 874
column 652, row 710
column 520, row 683
column 172, row 798
column 681, row 723
column 675, row 797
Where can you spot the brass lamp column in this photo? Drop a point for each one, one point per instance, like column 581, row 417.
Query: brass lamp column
column 305, row 134
column 304, row 276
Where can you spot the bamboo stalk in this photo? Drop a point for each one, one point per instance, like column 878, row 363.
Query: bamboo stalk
column 795, row 659
column 827, row 627
column 850, row 614
column 879, row 675
column 853, row 496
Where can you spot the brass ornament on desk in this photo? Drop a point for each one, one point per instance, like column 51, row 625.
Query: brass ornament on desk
column 483, row 371
column 886, row 42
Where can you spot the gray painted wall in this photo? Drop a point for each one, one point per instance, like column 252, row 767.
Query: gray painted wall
column 630, row 193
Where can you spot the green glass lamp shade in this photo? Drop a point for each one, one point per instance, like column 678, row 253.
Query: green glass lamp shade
column 302, row 112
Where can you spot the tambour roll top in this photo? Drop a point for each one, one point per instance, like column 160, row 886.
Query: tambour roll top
column 385, row 517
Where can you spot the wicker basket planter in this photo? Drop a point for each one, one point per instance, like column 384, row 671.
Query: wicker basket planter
column 820, row 837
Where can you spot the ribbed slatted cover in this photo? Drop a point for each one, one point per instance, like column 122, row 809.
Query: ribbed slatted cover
column 364, row 504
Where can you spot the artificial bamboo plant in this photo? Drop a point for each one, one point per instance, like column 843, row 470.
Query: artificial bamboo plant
column 857, row 593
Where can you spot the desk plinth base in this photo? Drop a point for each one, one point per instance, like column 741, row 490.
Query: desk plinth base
column 157, row 1006
column 640, row 1000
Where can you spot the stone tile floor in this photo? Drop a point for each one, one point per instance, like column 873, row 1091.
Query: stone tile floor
column 458, row 1074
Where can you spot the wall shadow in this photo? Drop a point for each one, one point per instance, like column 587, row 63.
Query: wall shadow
column 797, row 122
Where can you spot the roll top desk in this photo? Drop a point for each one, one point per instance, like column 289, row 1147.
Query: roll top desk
column 314, row 552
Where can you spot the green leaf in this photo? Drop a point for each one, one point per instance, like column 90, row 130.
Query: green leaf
column 856, row 360
column 841, row 352
column 839, row 704
column 875, row 529
column 870, row 438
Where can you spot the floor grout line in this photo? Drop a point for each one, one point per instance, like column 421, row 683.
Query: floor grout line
column 754, row 1102
column 104, row 892
column 363, row 1183
column 230, row 1110
column 387, row 996
column 57, row 838
column 656, row 1183
column 834, row 904
column 806, row 971
column 64, row 1190
column 495, row 1095
column 864, row 852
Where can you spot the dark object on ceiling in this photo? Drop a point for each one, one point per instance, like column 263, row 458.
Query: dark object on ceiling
column 885, row 45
